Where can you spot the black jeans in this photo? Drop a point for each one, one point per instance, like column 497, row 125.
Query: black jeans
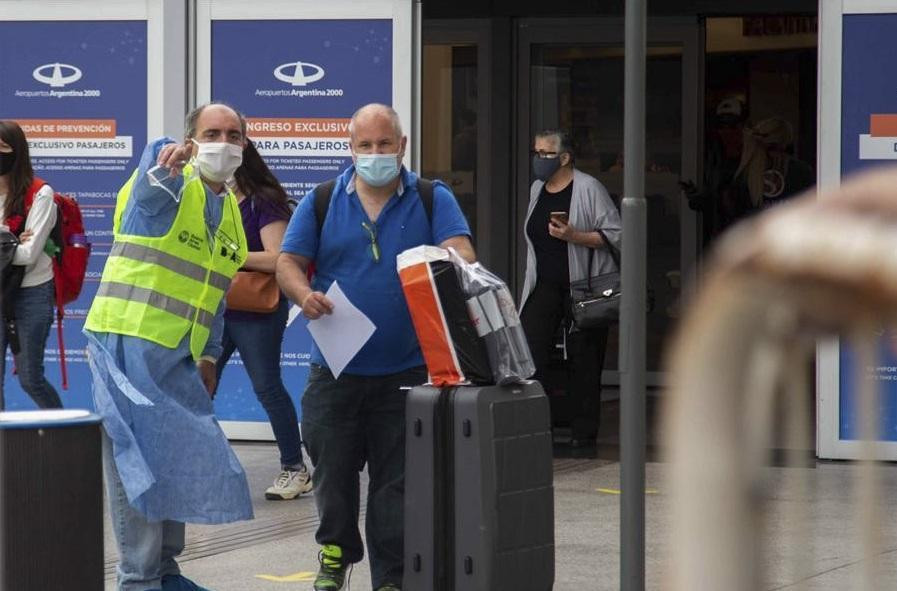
column 546, row 308
column 346, row 423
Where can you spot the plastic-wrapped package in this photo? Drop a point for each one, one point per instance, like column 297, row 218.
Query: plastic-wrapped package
column 494, row 315
column 465, row 319
column 452, row 350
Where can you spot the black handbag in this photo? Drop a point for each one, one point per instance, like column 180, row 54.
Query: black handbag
column 595, row 301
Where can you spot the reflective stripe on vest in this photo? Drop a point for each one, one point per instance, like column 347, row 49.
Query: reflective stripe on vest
column 132, row 293
column 148, row 254
column 163, row 288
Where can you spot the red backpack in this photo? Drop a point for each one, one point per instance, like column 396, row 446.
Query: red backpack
column 70, row 259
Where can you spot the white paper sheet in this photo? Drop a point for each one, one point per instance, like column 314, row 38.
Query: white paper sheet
column 341, row 335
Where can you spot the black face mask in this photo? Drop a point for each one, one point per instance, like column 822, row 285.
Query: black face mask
column 6, row 161
column 543, row 168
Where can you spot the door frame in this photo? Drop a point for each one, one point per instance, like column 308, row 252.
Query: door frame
column 474, row 32
column 684, row 32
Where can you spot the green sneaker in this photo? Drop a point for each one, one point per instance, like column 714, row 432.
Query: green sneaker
column 333, row 573
column 389, row 587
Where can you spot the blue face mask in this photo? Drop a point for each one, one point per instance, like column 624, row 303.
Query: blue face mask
column 377, row 170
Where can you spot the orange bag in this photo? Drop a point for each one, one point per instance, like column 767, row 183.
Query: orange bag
column 453, row 351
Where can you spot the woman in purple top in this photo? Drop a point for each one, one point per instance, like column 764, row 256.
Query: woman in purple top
column 258, row 336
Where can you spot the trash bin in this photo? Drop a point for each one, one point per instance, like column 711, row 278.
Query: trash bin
column 51, row 501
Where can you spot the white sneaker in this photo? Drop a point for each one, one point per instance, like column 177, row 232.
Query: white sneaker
column 289, row 484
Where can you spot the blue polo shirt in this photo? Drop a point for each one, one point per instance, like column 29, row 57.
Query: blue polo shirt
column 343, row 254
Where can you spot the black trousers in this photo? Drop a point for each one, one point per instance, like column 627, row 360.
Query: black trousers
column 546, row 308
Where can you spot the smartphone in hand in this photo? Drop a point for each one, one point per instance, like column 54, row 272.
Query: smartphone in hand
column 560, row 217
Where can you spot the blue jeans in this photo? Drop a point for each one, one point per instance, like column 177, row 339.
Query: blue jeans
column 258, row 340
column 146, row 549
column 348, row 422
column 33, row 313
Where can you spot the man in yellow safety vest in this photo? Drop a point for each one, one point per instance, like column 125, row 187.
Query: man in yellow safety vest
column 154, row 333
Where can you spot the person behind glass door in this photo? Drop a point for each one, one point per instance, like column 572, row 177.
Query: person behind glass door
column 567, row 207
column 259, row 336
column 28, row 310
column 768, row 173
column 724, row 146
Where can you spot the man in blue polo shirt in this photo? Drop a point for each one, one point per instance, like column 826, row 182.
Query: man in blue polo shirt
column 375, row 212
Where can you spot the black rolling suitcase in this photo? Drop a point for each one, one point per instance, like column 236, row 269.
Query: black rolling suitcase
column 479, row 499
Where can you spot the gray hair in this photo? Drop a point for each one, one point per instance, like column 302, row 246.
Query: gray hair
column 565, row 142
column 193, row 117
column 376, row 108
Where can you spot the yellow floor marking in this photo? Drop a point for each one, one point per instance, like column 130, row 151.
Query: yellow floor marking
column 614, row 491
column 293, row 578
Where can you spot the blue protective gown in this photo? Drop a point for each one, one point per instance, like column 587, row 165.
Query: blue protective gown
column 174, row 461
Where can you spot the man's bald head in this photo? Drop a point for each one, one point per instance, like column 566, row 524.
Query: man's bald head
column 214, row 109
column 375, row 114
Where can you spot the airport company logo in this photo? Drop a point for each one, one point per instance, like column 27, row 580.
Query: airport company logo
column 57, row 75
column 300, row 78
column 298, row 73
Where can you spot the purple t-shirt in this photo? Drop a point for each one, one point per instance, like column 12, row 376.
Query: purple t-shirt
column 256, row 215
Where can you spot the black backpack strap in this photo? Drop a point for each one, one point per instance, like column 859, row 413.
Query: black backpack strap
column 425, row 190
column 322, row 201
column 324, row 191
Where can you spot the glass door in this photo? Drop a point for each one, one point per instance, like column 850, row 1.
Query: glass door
column 455, row 123
column 572, row 79
column 449, row 121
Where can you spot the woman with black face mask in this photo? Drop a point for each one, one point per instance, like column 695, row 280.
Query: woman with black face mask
column 569, row 222
column 28, row 210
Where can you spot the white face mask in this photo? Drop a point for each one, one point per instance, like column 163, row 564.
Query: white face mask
column 217, row 161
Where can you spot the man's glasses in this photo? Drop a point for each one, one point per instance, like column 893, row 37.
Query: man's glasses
column 372, row 234
column 543, row 154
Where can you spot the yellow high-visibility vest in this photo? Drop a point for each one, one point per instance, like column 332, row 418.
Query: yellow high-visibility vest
column 159, row 288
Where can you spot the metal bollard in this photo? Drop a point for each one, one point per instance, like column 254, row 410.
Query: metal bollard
column 51, row 500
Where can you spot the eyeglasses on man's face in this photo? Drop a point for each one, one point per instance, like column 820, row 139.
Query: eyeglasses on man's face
column 544, row 155
column 371, row 229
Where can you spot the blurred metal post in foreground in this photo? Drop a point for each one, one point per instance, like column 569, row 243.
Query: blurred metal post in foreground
column 804, row 270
